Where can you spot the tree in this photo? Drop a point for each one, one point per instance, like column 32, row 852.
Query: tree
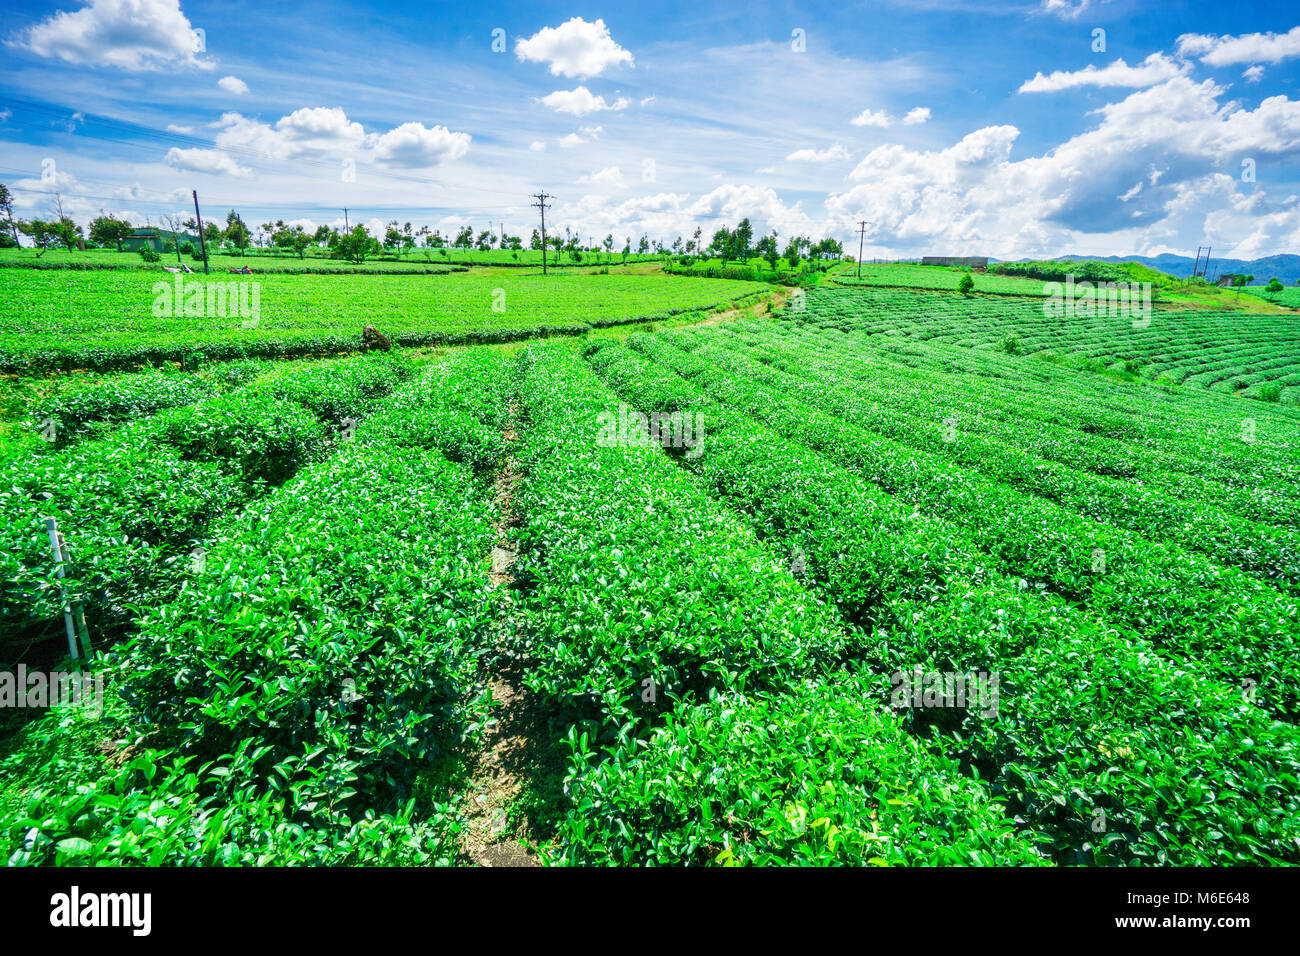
column 643, row 246
column 63, row 229
column 236, row 232
column 293, row 238
column 357, row 244
column 535, row 241
column 965, row 284
column 1273, row 285
column 766, row 248
column 464, row 238
column 106, row 229
column 742, row 236
column 7, row 205
column 174, row 226
column 721, row 244
column 608, row 243
column 38, row 230
column 484, row 241
column 392, row 236
column 322, row 235
column 792, row 251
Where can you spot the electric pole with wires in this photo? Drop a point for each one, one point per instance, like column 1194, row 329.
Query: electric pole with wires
column 541, row 204
column 862, row 235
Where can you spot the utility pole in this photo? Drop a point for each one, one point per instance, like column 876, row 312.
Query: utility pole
column 203, row 243
column 862, row 235
column 541, row 204
column 346, row 227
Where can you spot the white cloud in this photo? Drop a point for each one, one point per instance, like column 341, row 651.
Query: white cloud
column 1253, row 74
column 1065, row 9
column 125, row 34
column 1176, row 139
column 916, row 116
column 306, row 132
column 609, row 176
column 646, row 101
column 183, row 130
column 1247, row 48
column 585, row 134
column 412, row 146
column 574, row 48
column 870, row 118
column 205, row 161
column 819, row 156
column 233, row 84
column 326, row 132
column 1154, row 69
column 581, row 101
column 537, row 146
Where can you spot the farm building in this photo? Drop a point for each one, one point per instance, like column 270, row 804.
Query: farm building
column 961, row 262
column 159, row 240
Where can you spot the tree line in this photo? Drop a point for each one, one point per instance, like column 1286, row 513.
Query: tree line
column 357, row 243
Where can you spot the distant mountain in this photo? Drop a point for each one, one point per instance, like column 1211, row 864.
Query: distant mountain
column 1285, row 267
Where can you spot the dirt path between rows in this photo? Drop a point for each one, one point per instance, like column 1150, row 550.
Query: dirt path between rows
column 491, row 837
column 776, row 300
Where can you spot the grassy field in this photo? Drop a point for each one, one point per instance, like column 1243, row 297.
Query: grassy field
column 718, row 585
column 69, row 319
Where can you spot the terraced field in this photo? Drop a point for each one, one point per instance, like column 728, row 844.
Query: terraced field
column 693, row 571
column 1235, row 352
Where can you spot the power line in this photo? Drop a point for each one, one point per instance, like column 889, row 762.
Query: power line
column 862, row 235
column 541, row 204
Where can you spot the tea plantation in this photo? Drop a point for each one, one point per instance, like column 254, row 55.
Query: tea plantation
column 651, row 595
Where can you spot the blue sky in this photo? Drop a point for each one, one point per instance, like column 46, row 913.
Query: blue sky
column 1005, row 128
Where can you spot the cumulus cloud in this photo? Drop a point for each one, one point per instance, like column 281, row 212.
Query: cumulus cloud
column 819, row 156
column 871, row 118
column 1252, row 74
column 413, row 146
column 1154, row 69
column 574, row 48
column 233, row 84
column 609, row 176
column 205, row 161
column 581, row 101
column 326, row 132
column 1248, row 48
column 1065, row 9
column 125, row 34
column 1128, row 178
column 307, row 132
column 916, row 116
column 585, row 134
